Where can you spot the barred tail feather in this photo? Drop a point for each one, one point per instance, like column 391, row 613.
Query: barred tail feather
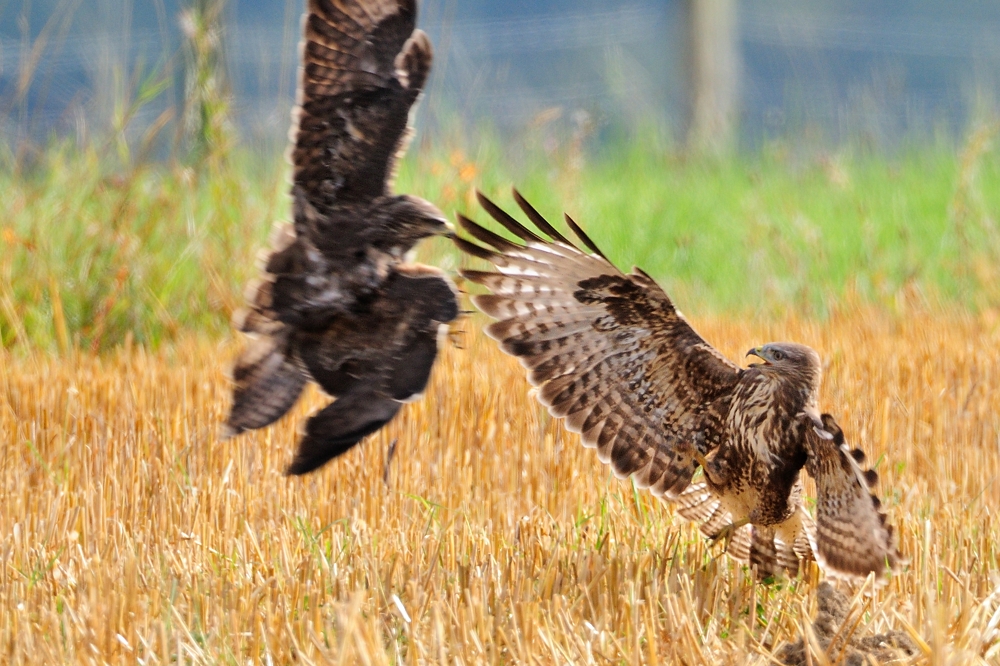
column 853, row 536
column 268, row 381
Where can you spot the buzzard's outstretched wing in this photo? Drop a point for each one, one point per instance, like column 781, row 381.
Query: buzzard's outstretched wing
column 363, row 66
column 852, row 535
column 608, row 351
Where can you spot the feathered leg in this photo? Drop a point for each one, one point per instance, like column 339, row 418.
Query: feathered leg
column 763, row 554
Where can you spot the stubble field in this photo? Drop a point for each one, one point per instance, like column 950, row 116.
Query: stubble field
column 130, row 533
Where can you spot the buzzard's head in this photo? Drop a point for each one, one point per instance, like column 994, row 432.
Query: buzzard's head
column 789, row 359
column 414, row 219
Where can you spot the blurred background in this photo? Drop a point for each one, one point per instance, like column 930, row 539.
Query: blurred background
column 825, row 153
column 823, row 69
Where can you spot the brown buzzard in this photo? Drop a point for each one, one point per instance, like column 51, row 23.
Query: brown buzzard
column 335, row 302
column 611, row 354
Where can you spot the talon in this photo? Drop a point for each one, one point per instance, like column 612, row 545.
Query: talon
column 727, row 533
column 456, row 337
column 700, row 458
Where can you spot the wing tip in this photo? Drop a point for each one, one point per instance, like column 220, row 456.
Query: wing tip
column 584, row 238
column 538, row 220
column 506, row 221
column 474, row 250
column 228, row 431
column 415, row 60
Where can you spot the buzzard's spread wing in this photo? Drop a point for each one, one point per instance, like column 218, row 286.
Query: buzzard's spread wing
column 608, row 351
column 372, row 376
column 363, row 66
column 852, row 535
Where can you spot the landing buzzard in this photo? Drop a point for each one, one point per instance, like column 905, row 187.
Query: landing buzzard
column 611, row 354
column 335, row 302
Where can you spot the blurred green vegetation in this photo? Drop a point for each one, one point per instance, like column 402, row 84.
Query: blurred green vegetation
column 93, row 254
column 776, row 230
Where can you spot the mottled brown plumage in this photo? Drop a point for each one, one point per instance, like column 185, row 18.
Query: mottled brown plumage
column 611, row 354
column 335, row 302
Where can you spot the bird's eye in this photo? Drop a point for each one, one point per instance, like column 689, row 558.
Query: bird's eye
column 778, row 356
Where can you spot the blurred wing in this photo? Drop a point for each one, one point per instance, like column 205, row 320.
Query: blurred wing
column 375, row 364
column 267, row 381
column 427, row 303
column 363, row 66
column 336, row 428
column 852, row 536
column 608, row 351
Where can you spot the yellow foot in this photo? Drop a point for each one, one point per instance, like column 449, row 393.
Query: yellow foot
column 726, row 534
column 700, row 458
column 456, row 336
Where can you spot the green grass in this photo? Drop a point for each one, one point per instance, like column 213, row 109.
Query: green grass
column 769, row 233
column 92, row 254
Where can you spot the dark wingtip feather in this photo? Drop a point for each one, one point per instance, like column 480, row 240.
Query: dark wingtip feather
column 474, row 250
column 315, row 450
column 584, row 238
column 484, row 235
column 495, row 306
column 339, row 427
column 537, row 219
column 479, row 277
column 505, row 220
column 858, row 455
column 642, row 274
column 305, row 465
column 501, row 330
column 228, row 431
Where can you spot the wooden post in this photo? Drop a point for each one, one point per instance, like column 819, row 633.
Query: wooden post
column 713, row 65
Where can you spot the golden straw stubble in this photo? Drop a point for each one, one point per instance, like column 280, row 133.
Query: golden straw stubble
column 131, row 531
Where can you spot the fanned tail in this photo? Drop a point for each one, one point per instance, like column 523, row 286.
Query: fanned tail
column 268, row 381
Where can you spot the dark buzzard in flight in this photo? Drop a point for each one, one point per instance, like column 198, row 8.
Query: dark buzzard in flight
column 611, row 354
column 335, row 302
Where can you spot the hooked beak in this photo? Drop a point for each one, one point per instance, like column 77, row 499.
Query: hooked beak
column 444, row 228
column 758, row 351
